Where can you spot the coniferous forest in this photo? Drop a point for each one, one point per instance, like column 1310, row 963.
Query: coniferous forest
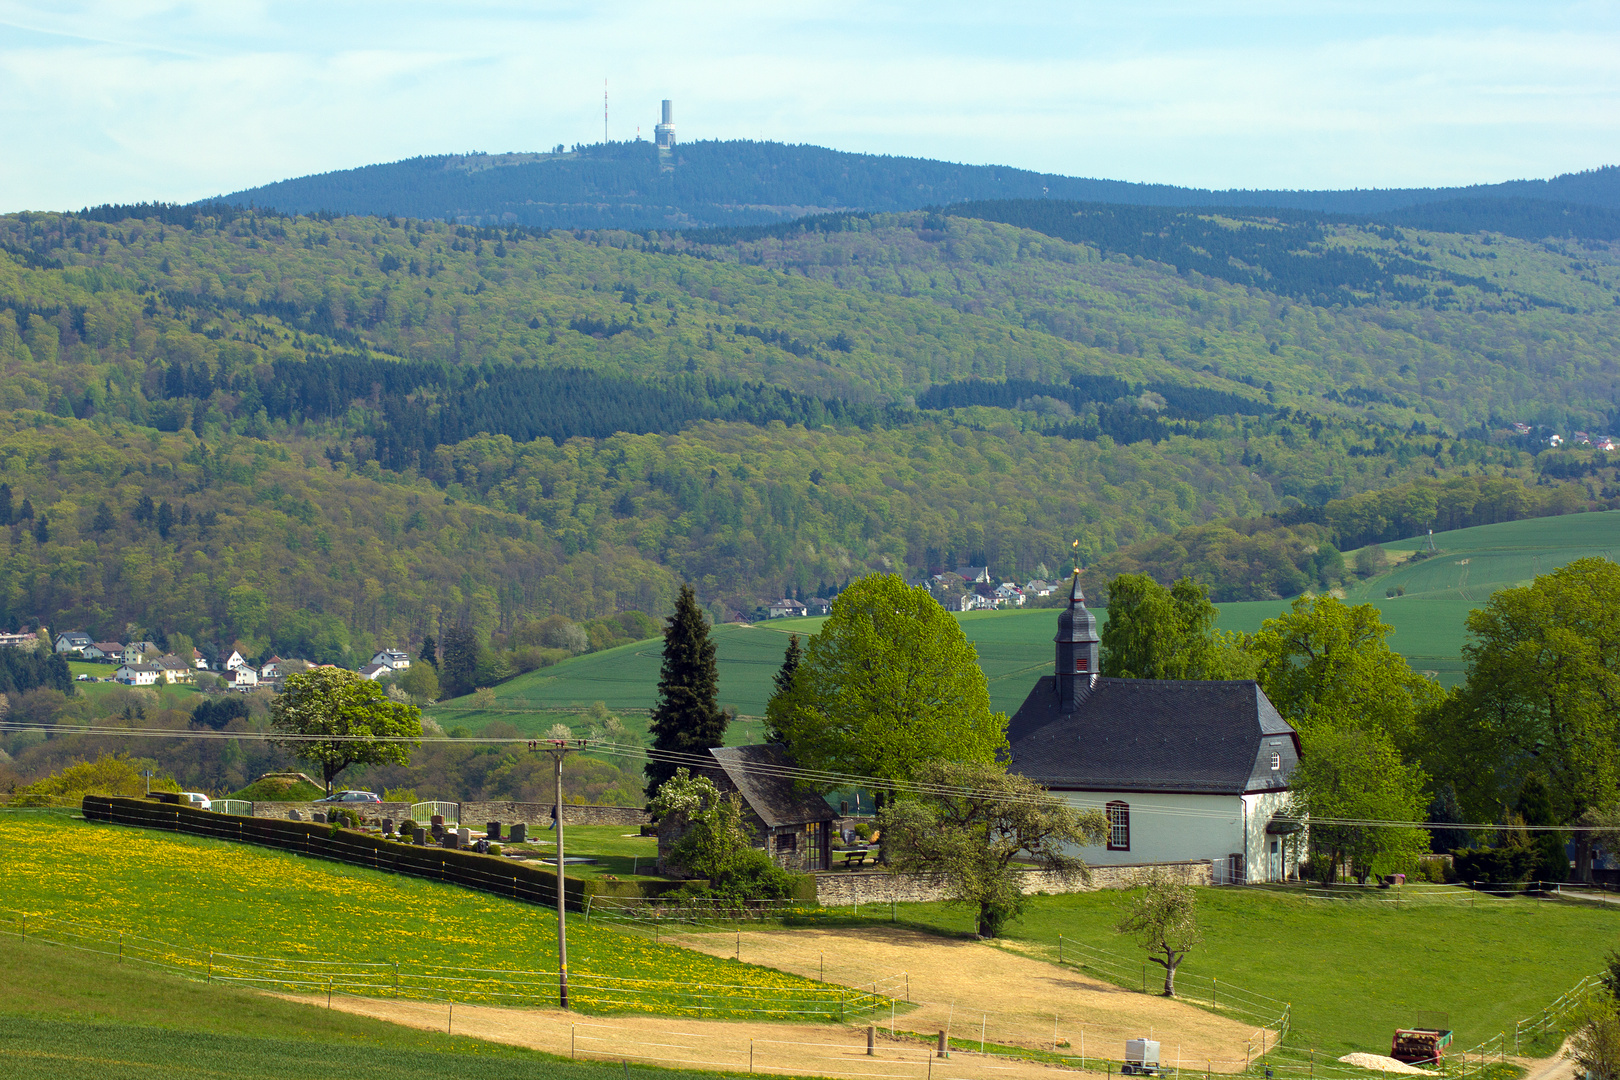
column 320, row 434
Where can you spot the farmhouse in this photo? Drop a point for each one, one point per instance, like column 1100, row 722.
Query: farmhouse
column 1184, row 769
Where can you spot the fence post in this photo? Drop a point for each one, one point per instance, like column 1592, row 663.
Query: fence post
column 396, row 978
column 941, row 1052
column 871, row 1040
column 210, row 977
column 571, row 1053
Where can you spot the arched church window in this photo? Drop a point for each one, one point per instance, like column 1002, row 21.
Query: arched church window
column 1119, row 826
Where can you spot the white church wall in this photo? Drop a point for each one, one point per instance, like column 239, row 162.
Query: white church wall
column 1261, row 864
column 1170, row 828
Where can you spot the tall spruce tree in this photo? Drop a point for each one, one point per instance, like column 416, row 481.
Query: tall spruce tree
column 687, row 718
column 458, row 669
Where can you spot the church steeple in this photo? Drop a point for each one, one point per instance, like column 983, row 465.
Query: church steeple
column 1076, row 648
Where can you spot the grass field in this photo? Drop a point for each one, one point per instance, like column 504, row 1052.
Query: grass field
column 72, row 1015
column 200, row 895
column 1016, row 646
column 1354, row 970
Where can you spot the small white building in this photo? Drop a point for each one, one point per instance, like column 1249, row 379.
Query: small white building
column 1184, row 769
column 393, row 658
column 235, row 660
column 198, row 660
column 74, row 641
column 240, row 678
column 136, row 675
column 375, row 671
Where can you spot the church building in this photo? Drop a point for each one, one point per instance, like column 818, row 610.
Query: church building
column 1184, row 769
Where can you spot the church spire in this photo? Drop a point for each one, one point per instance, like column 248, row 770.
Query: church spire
column 1077, row 643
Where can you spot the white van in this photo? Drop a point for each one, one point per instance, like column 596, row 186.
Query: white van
column 197, row 799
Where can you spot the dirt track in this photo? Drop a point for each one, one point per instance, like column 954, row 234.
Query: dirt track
column 969, row 986
column 965, row 986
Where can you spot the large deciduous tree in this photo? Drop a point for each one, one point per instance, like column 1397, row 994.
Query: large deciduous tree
column 687, row 719
column 340, row 719
column 1347, row 776
column 1158, row 633
column 888, row 683
column 976, row 819
column 1542, row 696
column 1325, row 663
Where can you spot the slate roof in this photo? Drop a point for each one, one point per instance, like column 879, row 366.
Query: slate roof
column 774, row 798
column 1154, row 735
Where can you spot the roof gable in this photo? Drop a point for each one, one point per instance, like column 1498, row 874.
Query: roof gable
column 759, row 774
column 1158, row 735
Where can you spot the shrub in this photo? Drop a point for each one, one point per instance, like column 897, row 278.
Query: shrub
column 495, row 849
column 864, row 831
column 1509, row 863
column 748, row 875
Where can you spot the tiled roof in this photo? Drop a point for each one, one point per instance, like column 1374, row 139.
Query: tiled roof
column 1154, row 735
column 776, row 799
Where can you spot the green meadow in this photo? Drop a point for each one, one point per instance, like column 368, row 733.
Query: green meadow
column 1015, row 646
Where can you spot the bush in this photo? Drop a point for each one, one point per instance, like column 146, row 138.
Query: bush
column 864, row 831
column 495, row 849
column 1498, row 864
column 749, row 875
column 279, row 789
column 400, row 794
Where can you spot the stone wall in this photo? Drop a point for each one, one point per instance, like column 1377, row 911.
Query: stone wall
column 880, row 886
column 474, row 815
column 538, row 815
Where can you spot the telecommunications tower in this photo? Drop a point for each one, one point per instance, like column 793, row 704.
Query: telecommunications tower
column 665, row 131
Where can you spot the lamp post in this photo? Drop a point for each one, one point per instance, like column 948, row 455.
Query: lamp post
column 559, row 749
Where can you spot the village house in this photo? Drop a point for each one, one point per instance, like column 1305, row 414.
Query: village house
column 1009, row 595
column 175, row 669
column 783, row 609
column 74, row 641
column 136, row 651
column 974, row 574
column 375, row 671
column 235, row 660
column 393, row 658
column 817, row 605
column 271, row 668
column 1183, row 769
column 22, row 640
column 240, row 678
column 136, row 675
column 110, row 651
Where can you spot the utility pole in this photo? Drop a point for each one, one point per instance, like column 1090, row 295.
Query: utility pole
column 559, row 749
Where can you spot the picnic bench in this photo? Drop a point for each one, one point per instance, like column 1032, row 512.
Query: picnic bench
column 857, row 857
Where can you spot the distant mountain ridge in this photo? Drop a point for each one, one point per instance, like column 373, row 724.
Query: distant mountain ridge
column 739, row 183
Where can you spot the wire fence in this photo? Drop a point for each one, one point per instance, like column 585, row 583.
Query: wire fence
column 509, row 987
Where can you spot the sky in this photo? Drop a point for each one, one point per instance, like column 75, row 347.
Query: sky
column 129, row 100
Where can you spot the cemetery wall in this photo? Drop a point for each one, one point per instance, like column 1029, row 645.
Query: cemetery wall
column 880, row 886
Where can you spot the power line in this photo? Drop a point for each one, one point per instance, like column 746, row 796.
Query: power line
column 823, row 779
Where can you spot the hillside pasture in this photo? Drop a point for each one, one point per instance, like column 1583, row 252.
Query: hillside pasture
column 261, row 914
column 1354, row 969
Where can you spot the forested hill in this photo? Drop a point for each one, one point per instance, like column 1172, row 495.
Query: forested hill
column 625, row 186
column 320, row 435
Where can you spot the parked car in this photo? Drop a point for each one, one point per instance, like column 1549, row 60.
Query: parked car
column 350, row 797
column 197, row 799
column 81, row 678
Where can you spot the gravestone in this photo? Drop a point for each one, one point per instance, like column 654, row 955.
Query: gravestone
column 437, row 829
column 519, row 833
column 320, row 818
column 388, row 826
column 493, row 830
column 452, row 840
column 293, row 815
column 465, row 836
column 419, row 836
column 436, row 819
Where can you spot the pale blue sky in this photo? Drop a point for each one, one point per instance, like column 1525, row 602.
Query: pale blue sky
column 120, row 100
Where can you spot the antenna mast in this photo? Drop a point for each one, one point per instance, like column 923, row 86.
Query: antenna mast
column 604, row 112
